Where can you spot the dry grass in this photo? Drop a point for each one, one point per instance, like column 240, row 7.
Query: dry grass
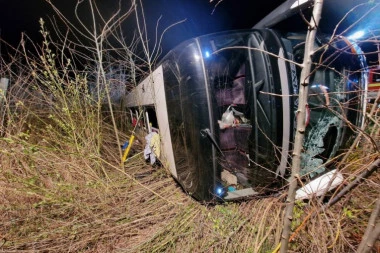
column 61, row 198
column 62, row 188
column 63, row 212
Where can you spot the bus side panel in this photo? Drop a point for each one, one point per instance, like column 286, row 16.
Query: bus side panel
column 151, row 92
column 167, row 158
column 143, row 94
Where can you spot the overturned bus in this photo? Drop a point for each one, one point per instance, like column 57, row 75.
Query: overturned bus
column 225, row 106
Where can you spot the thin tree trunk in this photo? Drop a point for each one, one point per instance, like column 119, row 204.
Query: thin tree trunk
column 3, row 94
column 300, row 131
column 372, row 231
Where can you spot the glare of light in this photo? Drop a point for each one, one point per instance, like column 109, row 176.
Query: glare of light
column 196, row 57
column 219, row 191
column 319, row 86
column 298, row 3
column 357, row 35
column 207, row 54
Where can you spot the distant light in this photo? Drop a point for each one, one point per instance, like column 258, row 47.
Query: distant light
column 298, row 3
column 357, row 35
column 207, row 54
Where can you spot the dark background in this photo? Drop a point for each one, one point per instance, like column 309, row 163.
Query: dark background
column 200, row 17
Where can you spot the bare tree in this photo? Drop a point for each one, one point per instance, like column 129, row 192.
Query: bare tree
column 301, row 117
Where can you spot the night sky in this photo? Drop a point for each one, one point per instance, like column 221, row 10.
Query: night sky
column 201, row 16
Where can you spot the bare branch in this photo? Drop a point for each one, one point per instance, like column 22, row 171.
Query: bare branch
column 372, row 232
